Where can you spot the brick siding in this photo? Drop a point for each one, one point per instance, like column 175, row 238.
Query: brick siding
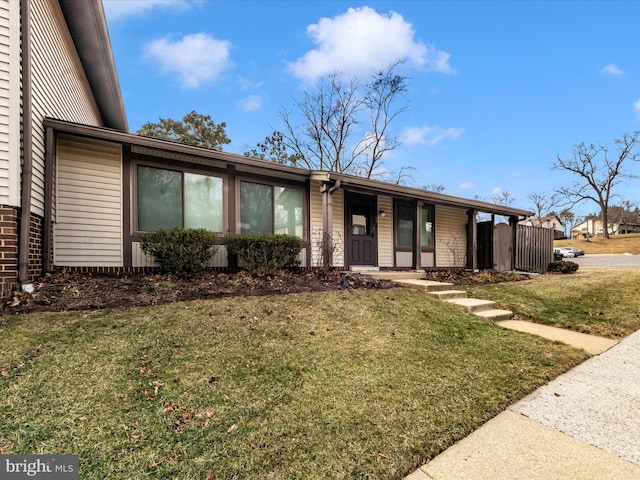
column 9, row 241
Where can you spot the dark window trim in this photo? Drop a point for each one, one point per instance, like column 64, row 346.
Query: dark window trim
column 133, row 185
column 432, row 248
column 272, row 182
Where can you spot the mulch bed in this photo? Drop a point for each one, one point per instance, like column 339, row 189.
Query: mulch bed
column 72, row 291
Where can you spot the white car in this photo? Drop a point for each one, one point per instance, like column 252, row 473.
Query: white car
column 566, row 252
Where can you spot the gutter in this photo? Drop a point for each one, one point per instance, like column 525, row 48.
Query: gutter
column 27, row 149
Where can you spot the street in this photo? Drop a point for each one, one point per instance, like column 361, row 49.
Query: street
column 620, row 261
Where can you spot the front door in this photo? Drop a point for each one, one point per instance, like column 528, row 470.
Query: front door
column 361, row 235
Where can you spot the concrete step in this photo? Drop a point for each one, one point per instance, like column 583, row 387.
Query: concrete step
column 473, row 305
column 404, row 275
column 448, row 294
column 425, row 285
column 495, row 314
column 364, row 269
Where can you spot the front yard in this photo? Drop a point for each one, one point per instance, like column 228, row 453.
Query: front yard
column 337, row 384
column 599, row 301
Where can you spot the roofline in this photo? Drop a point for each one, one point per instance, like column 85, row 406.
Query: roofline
column 101, row 133
column 323, row 176
column 88, row 28
column 420, row 194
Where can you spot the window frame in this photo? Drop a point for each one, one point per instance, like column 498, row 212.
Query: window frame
column 273, row 183
column 135, row 231
column 431, row 248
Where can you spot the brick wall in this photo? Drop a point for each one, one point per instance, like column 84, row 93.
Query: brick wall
column 9, row 239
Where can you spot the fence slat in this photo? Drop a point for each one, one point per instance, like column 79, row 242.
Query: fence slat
column 534, row 248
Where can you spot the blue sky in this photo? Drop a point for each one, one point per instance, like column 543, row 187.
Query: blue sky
column 496, row 89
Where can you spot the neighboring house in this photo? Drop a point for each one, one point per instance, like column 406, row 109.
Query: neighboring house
column 550, row 221
column 91, row 188
column 593, row 228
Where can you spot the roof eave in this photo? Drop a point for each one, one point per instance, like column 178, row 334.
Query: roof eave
column 88, row 28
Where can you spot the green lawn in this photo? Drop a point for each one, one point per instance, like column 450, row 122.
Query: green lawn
column 599, row 301
column 348, row 384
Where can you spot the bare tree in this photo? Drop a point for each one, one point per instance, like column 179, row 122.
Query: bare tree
column 504, row 198
column 542, row 204
column 329, row 119
column 568, row 218
column 597, row 173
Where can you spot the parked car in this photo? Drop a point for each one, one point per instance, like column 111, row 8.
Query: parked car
column 576, row 251
column 569, row 251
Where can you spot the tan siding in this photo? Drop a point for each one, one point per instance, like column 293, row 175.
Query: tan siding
column 385, row 232
column 10, row 101
column 451, row 237
column 315, row 219
column 338, row 228
column 88, row 227
column 60, row 89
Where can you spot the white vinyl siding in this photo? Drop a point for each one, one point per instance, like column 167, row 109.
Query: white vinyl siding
column 10, row 102
column 88, row 226
column 59, row 85
column 451, row 236
column 385, row 232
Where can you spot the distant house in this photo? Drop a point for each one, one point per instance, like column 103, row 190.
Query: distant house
column 81, row 190
column 593, row 228
column 550, row 221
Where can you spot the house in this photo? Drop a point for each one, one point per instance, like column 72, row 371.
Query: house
column 550, row 221
column 593, row 227
column 89, row 188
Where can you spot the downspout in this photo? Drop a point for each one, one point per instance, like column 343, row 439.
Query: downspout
column 27, row 148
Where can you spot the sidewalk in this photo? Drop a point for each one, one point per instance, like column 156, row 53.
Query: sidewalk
column 583, row 425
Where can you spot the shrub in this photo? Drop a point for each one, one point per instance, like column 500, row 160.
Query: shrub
column 562, row 267
column 264, row 254
column 184, row 252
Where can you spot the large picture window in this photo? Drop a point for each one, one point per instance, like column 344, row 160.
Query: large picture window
column 169, row 199
column 270, row 209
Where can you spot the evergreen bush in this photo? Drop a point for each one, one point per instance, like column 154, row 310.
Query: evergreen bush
column 184, row 252
column 264, row 254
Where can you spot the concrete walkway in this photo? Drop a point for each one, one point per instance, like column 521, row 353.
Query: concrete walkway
column 583, row 425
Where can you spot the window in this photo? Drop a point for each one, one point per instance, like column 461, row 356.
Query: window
column 169, row 199
column 406, row 222
column 426, row 227
column 270, row 209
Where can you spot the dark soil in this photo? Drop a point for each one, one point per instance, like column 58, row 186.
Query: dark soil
column 70, row 291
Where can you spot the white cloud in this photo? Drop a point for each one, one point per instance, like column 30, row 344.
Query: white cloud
column 247, row 84
column 636, row 108
column 467, row 186
column 612, row 69
column 250, row 103
column 116, row 9
column 430, row 136
column 361, row 40
column 196, row 59
column 497, row 191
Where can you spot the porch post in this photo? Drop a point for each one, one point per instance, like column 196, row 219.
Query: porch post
column 514, row 240
column 472, row 240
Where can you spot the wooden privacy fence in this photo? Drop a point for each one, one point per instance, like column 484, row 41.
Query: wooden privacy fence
column 534, row 248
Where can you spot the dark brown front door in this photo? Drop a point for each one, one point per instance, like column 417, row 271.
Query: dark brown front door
column 361, row 235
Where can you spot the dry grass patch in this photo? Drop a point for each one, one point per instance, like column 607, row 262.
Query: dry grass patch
column 344, row 384
column 616, row 244
column 598, row 301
